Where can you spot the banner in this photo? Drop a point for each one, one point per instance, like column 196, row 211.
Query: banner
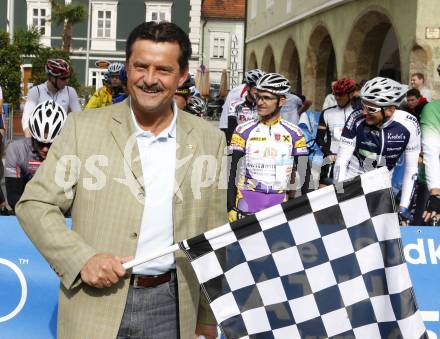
column 29, row 287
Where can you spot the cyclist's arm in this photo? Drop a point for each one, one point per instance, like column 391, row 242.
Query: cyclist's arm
column 431, row 155
column 31, row 103
column 14, row 190
column 238, row 151
column 322, row 132
column 232, row 124
column 223, row 123
column 74, row 104
column 14, row 180
column 412, row 153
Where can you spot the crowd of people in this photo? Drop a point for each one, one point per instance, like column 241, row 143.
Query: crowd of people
column 364, row 126
column 361, row 126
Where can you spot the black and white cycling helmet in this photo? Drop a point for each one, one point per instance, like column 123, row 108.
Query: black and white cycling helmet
column 252, row 76
column 383, row 92
column 196, row 106
column 46, row 121
column 115, row 67
column 274, row 83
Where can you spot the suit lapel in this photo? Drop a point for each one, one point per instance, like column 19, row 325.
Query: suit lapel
column 185, row 151
column 123, row 133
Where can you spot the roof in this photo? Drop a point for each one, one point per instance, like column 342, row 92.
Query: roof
column 225, row 9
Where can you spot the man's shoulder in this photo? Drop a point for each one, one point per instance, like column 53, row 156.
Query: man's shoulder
column 19, row 147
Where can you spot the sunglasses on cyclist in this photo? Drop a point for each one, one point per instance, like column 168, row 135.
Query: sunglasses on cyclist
column 370, row 109
column 41, row 145
column 63, row 78
column 264, row 98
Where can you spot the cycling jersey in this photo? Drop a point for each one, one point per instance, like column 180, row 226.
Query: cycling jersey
column 21, row 163
column 240, row 111
column 289, row 111
column 243, row 110
column 66, row 97
column 365, row 147
column 265, row 175
column 22, row 160
column 234, row 95
column 430, row 123
column 101, row 98
column 331, row 124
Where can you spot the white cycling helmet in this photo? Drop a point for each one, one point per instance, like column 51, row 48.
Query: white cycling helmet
column 196, row 106
column 115, row 67
column 46, row 121
column 274, row 83
column 252, row 76
column 383, row 92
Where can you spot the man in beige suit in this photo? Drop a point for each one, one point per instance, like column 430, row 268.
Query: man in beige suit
column 129, row 174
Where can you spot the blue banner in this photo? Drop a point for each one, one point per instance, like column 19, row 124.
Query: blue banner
column 29, row 287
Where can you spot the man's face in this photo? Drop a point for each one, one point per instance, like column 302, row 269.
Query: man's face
column 252, row 91
column 416, row 82
column 374, row 115
column 267, row 103
column 60, row 82
column 153, row 75
column 411, row 101
column 42, row 149
column 342, row 99
column 115, row 82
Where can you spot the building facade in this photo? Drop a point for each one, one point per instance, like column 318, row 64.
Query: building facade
column 222, row 41
column 316, row 41
column 103, row 36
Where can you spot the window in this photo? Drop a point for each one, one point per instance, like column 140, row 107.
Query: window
column 219, row 42
column 104, row 18
column 218, row 48
column 104, row 24
column 38, row 14
column 158, row 11
column 96, row 77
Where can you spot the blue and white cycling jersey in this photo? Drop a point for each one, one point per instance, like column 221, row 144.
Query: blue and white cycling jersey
column 364, row 147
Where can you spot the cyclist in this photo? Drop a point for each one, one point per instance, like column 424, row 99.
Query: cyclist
column 331, row 123
column 24, row 156
column 123, row 92
column 378, row 135
column 244, row 109
column 430, row 122
column 184, row 92
column 196, row 106
column 55, row 88
column 112, row 87
column 269, row 146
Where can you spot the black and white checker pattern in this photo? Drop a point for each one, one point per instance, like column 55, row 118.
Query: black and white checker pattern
column 328, row 264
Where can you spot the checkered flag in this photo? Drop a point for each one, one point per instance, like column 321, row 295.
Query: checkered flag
column 328, row 264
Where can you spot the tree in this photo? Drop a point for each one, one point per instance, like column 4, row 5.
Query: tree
column 67, row 15
column 27, row 41
column 10, row 73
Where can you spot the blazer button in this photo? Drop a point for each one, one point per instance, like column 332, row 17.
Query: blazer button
column 133, row 235
column 141, row 196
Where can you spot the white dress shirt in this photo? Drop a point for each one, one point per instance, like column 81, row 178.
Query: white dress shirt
column 158, row 159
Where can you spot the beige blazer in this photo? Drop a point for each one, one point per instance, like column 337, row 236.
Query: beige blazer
column 93, row 168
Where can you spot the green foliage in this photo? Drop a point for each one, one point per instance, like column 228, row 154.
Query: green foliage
column 27, row 41
column 73, row 12
column 10, row 73
column 39, row 74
